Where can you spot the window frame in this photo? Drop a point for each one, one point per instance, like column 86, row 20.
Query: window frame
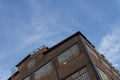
column 101, row 75
column 105, row 64
column 79, row 73
column 46, row 73
column 70, row 58
column 92, row 51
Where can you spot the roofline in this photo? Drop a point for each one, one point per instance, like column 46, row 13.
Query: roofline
column 23, row 60
column 63, row 41
column 13, row 75
column 60, row 43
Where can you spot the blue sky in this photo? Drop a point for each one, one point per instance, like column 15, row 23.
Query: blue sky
column 25, row 25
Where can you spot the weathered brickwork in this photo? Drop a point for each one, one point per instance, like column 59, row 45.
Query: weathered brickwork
column 74, row 58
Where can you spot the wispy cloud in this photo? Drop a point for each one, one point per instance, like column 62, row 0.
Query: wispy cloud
column 43, row 22
column 47, row 22
column 110, row 44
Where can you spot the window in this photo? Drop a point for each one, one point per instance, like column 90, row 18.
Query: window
column 117, row 75
column 105, row 64
column 43, row 72
column 27, row 78
column 102, row 74
column 69, row 54
column 31, row 63
column 91, row 51
column 83, row 74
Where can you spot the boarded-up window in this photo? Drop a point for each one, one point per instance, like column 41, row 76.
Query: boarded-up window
column 102, row 74
column 68, row 55
column 83, row 74
column 105, row 64
column 43, row 72
column 91, row 51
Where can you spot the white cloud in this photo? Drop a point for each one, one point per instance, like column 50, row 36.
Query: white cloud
column 110, row 44
column 117, row 65
column 46, row 23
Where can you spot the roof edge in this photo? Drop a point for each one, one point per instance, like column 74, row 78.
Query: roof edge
column 23, row 60
column 63, row 41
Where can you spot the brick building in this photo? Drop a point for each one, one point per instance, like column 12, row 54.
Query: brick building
column 74, row 58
